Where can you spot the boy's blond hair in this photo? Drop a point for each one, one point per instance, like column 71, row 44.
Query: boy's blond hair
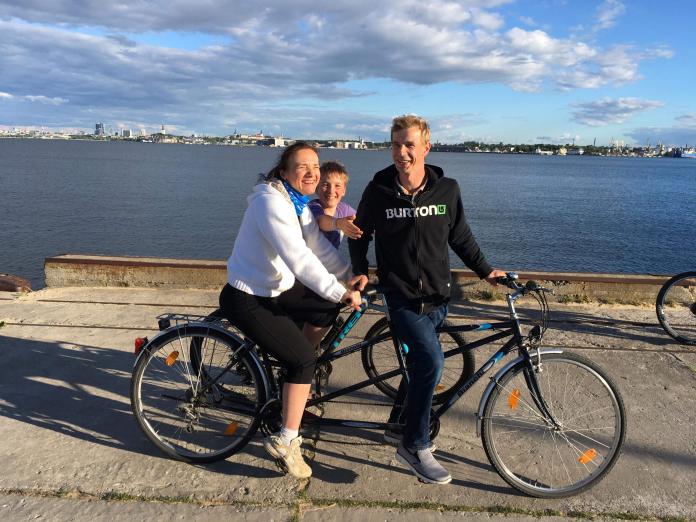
column 407, row 121
column 334, row 167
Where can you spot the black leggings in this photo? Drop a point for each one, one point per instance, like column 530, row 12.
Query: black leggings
column 271, row 322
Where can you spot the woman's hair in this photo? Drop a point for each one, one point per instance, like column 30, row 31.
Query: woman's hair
column 284, row 159
column 334, row 167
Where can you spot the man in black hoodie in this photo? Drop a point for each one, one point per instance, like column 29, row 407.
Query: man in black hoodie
column 415, row 212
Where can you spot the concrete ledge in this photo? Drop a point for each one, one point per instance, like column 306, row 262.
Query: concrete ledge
column 570, row 287
column 151, row 272
column 124, row 271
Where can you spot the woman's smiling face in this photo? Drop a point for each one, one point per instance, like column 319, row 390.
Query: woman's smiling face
column 303, row 171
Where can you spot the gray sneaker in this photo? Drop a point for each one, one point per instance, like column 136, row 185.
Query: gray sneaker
column 424, row 465
column 394, row 437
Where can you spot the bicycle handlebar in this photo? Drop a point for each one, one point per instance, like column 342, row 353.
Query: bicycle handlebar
column 510, row 280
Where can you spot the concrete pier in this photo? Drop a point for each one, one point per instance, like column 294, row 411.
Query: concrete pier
column 71, row 449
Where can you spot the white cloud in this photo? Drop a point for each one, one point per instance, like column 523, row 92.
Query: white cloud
column 608, row 12
column 268, row 56
column 45, row 99
column 607, row 110
column 6, row 95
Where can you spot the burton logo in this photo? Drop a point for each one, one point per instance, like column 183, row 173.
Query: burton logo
column 426, row 210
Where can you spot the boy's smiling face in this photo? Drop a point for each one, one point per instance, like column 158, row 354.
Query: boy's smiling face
column 331, row 190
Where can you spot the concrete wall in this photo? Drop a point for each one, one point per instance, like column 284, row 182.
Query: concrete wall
column 87, row 270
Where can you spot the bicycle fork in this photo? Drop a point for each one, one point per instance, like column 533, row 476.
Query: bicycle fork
column 534, row 388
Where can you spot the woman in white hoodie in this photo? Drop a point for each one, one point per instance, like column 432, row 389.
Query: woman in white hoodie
column 283, row 271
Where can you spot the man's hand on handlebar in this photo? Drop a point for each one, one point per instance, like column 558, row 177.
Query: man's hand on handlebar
column 492, row 278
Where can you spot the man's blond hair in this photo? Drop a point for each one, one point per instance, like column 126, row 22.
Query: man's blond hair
column 411, row 120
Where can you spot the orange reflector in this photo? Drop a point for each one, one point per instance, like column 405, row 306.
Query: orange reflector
column 439, row 387
column 587, row 456
column 514, row 399
column 171, row 358
column 231, row 429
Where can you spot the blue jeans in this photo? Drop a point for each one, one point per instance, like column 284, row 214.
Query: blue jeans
column 424, row 363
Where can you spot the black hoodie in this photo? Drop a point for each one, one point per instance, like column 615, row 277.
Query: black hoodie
column 412, row 236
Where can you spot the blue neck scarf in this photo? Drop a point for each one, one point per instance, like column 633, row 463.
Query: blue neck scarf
column 298, row 199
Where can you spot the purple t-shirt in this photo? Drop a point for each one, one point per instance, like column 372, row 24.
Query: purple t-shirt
column 342, row 210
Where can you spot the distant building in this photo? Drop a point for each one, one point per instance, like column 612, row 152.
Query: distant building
column 99, row 129
column 340, row 144
column 126, row 133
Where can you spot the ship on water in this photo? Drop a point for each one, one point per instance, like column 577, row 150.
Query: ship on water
column 685, row 153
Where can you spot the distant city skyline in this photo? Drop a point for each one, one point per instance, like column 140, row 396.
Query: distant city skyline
column 511, row 71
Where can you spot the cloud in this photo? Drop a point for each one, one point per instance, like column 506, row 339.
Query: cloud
column 454, row 128
column 45, row 99
column 607, row 110
column 682, row 133
column 688, row 120
column 564, row 138
column 608, row 12
column 266, row 58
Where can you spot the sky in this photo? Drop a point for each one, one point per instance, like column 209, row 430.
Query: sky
column 512, row 71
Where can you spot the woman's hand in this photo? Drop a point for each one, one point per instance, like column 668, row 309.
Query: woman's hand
column 352, row 298
column 345, row 225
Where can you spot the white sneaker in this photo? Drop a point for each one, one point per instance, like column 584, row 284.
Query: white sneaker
column 290, row 454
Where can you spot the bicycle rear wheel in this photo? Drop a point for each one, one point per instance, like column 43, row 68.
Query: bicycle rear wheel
column 379, row 358
column 676, row 307
column 543, row 460
column 199, row 410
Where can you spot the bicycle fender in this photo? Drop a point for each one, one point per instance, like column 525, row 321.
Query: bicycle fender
column 145, row 349
column 496, row 378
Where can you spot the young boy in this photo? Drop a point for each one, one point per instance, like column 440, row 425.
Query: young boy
column 335, row 217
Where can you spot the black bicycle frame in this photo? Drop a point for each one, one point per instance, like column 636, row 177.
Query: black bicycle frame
column 503, row 329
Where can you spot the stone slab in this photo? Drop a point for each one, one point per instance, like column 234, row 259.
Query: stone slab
column 21, row 508
column 66, row 423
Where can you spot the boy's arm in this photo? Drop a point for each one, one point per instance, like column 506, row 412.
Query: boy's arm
column 326, row 223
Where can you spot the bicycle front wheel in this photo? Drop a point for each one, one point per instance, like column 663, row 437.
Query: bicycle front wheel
column 545, row 460
column 379, row 358
column 196, row 396
column 676, row 307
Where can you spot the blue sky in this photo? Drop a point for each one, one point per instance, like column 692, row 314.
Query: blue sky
column 523, row 71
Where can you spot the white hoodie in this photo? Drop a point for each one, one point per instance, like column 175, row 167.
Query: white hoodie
column 273, row 247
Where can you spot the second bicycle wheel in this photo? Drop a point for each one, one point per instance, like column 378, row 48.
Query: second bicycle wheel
column 676, row 307
column 199, row 410
column 543, row 460
column 379, row 358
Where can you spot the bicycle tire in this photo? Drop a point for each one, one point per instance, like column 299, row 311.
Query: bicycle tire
column 538, row 459
column 379, row 358
column 676, row 307
column 180, row 412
